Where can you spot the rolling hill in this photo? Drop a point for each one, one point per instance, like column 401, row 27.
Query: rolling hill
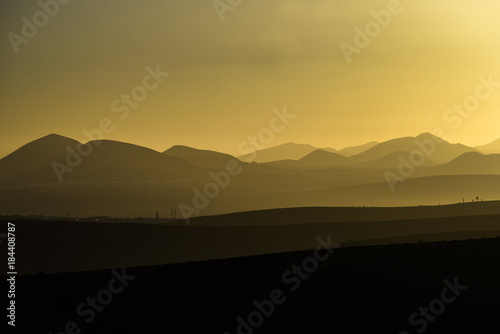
column 202, row 158
column 491, row 148
column 288, row 151
column 353, row 150
column 96, row 160
column 113, row 160
column 436, row 149
column 120, row 179
column 321, row 158
column 101, row 245
column 387, row 162
column 466, row 164
column 218, row 161
column 32, row 162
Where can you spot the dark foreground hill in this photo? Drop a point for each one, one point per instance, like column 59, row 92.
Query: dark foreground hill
column 354, row 290
column 65, row 246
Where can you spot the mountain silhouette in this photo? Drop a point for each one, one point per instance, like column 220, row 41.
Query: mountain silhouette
column 467, row 163
column 114, row 160
column 433, row 148
column 322, row 158
column 116, row 178
column 390, row 161
column 106, row 160
column 491, row 148
column 33, row 160
column 439, row 151
column 353, row 150
column 217, row 160
column 288, row 151
column 203, row 158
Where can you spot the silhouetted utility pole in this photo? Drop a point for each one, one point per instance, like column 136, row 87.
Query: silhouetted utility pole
column 157, row 215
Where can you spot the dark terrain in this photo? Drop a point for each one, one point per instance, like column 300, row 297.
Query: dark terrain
column 357, row 290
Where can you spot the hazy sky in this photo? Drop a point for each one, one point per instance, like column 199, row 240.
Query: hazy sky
column 226, row 77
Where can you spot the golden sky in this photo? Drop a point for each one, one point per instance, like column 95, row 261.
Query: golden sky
column 226, row 77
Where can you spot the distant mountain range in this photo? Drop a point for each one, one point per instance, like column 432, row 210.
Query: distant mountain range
column 383, row 155
column 292, row 151
column 281, row 152
column 106, row 160
column 120, row 179
column 353, row 150
column 444, row 151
